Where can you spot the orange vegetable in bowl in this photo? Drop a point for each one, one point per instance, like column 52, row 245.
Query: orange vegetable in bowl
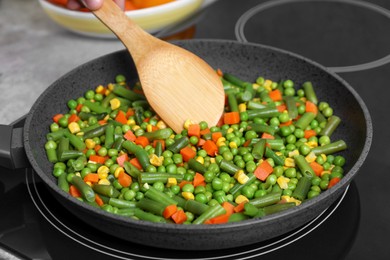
column 149, row 3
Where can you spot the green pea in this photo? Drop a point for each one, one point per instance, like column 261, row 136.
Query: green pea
column 188, row 187
column 327, row 112
column 129, row 194
column 289, row 92
column 291, row 139
column 103, row 151
column 339, row 161
column 175, row 189
column 250, row 135
column 58, row 171
column 311, row 194
column 63, row 121
column 260, row 193
column 90, row 94
column 217, row 183
column 304, row 149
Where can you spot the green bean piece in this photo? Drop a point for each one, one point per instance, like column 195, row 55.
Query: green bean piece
column 234, row 80
column 181, row 202
column 117, row 145
column 331, row 126
column 275, row 208
column 85, row 116
column 255, row 105
column 55, row 136
column 76, row 141
column 258, row 149
column 238, row 187
column 237, row 217
column 264, row 97
column 232, row 101
column 85, row 190
column 309, row 92
column 304, row 166
column 138, row 115
column 106, row 101
column 262, row 128
column 70, row 154
column 229, row 167
column 122, row 204
column 263, row 113
column 105, row 190
column 141, row 154
column 151, row 206
column 291, row 105
column 305, row 120
column 302, row 188
column 129, row 212
column 131, row 169
column 95, row 107
column 271, row 154
column 142, row 215
column 51, row 151
column 96, row 132
column 250, row 210
column 141, row 103
column 266, row 200
column 152, row 177
column 79, row 163
column 211, row 212
column 196, row 207
column 127, row 93
column 130, row 146
column 109, row 133
column 163, row 133
column 320, row 117
column 275, row 144
column 331, row 148
column 158, row 150
column 179, row 144
column 196, row 166
column 62, row 182
column 159, row 196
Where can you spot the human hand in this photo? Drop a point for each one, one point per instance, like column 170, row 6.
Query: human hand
column 92, row 4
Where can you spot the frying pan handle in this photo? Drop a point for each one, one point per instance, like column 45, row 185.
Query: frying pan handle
column 12, row 153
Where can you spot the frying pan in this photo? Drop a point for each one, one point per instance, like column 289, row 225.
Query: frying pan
column 247, row 61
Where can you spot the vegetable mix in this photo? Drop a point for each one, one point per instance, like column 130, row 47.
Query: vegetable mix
column 272, row 150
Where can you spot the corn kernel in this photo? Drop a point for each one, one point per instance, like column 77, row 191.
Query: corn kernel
column 293, row 153
column 289, row 162
column 135, row 127
column 187, row 123
column 283, row 182
column 104, row 181
column 311, row 157
column 325, row 172
column 242, row 107
column 268, row 84
column 230, row 130
column 110, row 86
column 102, row 175
column 220, row 140
column 171, row 182
column 188, row 195
column 323, row 156
column 291, row 199
column 279, row 153
column 149, row 128
column 117, row 171
column 115, row 103
column 200, row 159
column 161, row 124
column 156, row 160
column 312, row 144
column 90, row 143
column 107, row 92
column 212, row 160
column 240, row 199
column 130, row 122
column 99, row 89
column 103, row 170
column 233, row 145
column 255, row 86
column 241, row 177
column 106, row 117
column 88, row 183
column 74, row 127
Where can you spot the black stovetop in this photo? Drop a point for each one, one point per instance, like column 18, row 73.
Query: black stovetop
column 348, row 36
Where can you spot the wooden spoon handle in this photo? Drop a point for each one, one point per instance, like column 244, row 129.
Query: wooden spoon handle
column 136, row 40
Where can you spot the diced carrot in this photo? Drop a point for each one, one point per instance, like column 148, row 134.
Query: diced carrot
column 289, row 122
column 310, row 133
column 205, row 131
column 134, row 161
column 194, row 130
column 263, row 170
column 247, row 142
column 228, row 207
column 102, row 122
column 130, row 112
column 97, row 147
column 275, row 95
column 210, row 147
column 239, row 207
column 129, row 135
column 97, row 159
column 215, row 136
column 121, row 117
column 142, row 140
column 99, row 200
column 333, row 182
column 159, row 141
column 122, row 159
column 73, row 118
column 57, row 117
column 224, row 218
column 182, row 183
column 91, row 177
column 179, row 217
column 201, row 142
column 149, row 3
column 219, row 72
column 317, row 168
column 169, row 211
column 198, row 179
column 231, row 118
column 129, row 6
column 74, row 192
column 124, row 179
column 311, row 107
column 267, row 136
column 281, row 108
column 78, row 107
column 59, row 2
column 220, row 121
column 187, row 153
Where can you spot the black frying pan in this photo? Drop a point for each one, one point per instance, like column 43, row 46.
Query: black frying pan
column 248, row 61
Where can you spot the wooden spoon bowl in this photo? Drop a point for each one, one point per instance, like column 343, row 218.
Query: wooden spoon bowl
column 177, row 84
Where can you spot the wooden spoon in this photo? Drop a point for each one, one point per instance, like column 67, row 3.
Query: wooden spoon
column 177, row 84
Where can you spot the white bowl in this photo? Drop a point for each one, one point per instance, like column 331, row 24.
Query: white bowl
column 152, row 19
